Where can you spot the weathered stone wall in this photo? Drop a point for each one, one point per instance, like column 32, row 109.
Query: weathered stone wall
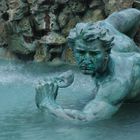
column 115, row 5
column 54, row 19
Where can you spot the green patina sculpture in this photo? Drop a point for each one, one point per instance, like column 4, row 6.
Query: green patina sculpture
column 105, row 50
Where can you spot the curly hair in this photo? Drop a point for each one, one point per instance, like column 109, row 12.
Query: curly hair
column 90, row 32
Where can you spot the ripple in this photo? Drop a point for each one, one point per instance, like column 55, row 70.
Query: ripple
column 21, row 120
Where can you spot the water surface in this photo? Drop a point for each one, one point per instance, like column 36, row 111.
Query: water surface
column 21, row 120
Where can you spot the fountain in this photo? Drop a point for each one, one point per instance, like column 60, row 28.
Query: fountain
column 56, row 111
column 105, row 51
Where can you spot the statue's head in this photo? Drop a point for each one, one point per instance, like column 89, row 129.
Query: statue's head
column 91, row 45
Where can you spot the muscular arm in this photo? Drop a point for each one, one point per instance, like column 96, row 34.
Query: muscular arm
column 126, row 21
column 108, row 100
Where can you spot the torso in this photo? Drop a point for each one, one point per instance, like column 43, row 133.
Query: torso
column 127, row 69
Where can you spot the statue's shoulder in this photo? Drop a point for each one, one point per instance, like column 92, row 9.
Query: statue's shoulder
column 123, row 26
column 125, row 21
column 124, row 63
column 124, row 44
column 121, row 42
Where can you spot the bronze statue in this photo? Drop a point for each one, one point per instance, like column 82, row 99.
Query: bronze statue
column 106, row 51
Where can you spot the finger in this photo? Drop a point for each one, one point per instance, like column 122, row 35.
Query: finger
column 55, row 91
column 38, row 96
column 48, row 87
column 74, row 114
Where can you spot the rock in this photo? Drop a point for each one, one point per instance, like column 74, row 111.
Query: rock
column 52, row 18
column 53, row 22
column 93, row 15
column 71, row 23
column 56, row 62
column 113, row 5
column 65, row 16
column 3, row 38
column 63, row 19
column 3, row 11
column 95, row 3
column 125, row 3
column 53, row 8
column 6, row 54
column 3, row 6
column 41, row 53
column 68, row 57
column 77, row 6
column 55, row 44
column 61, row 1
column 54, row 39
column 136, row 4
column 17, row 9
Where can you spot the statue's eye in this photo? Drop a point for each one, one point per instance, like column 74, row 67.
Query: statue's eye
column 81, row 52
column 94, row 53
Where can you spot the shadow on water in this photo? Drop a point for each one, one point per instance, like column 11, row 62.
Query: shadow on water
column 21, row 120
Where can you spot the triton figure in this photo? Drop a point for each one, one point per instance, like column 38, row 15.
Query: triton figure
column 106, row 51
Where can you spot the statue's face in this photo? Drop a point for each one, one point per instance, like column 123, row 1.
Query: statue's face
column 90, row 56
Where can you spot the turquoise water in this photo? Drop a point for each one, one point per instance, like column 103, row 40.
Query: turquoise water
column 21, row 120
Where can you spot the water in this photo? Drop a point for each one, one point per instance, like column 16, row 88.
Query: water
column 21, row 120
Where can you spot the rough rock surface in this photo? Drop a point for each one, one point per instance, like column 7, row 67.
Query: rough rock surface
column 115, row 5
column 50, row 21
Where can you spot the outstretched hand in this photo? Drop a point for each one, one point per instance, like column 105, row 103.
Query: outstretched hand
column 47, row 91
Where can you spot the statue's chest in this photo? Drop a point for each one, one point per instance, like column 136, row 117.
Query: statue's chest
column 78, row 94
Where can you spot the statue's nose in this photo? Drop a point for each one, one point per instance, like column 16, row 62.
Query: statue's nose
column 86, row 62
column 87, row 55
column 87, row 58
